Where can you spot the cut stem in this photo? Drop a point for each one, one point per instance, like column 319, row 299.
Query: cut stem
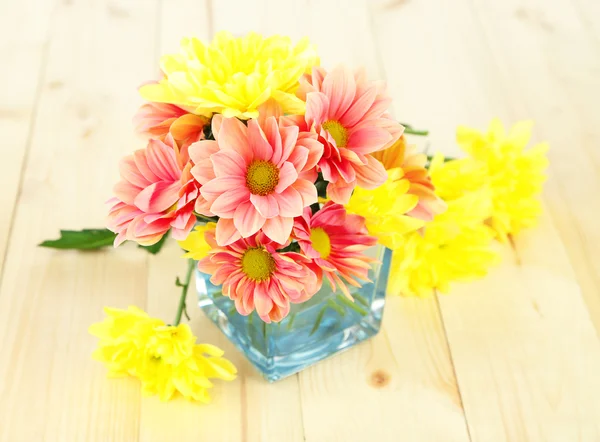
column 184, row 290
column 411, row 131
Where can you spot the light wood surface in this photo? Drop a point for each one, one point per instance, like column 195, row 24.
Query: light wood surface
column 514, row 357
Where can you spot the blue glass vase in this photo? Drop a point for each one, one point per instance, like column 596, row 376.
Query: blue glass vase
column 326, row 324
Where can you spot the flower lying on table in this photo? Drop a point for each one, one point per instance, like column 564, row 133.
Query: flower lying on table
column 275, row 174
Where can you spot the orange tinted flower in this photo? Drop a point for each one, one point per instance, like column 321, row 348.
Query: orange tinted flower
column 403, row 155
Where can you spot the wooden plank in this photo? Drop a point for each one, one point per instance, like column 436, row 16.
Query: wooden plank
column 51, row 388
column 248, row 409
column 521, row 341
column 401, row 384
column 525, row 352
column 556, row 82
column 24, row 28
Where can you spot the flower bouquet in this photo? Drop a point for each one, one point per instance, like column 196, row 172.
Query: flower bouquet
column 291, row 187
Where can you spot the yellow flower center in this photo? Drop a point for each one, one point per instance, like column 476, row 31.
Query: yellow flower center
column 258, row 264
column 337, row 131
column 262, row 177
column 320, row 241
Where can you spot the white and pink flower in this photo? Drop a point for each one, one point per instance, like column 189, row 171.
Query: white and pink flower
column 257, row 277
column 156, row 193
column 255, row 177
column 335, row 241
column 350, row 117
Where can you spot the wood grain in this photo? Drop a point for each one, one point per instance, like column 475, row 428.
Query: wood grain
column 522, row 337
column 26, row 26
column 51, row 389
column 513, row 357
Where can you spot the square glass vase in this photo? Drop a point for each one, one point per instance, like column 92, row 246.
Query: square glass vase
column 314, row 330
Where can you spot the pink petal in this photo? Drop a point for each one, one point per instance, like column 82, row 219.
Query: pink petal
column 258, row 142
column 290, row 202
column 247, row 219
column 307, row 191
column 202, row 150
column 226, row 233
column 368, row 139
column 287, row 176
column 371, row 175
column 315, row 149
column 161, row 160
column 216, row 187
column 266, row 205
column 131, row 173
column 126, row 192
column 359, row 108
column 289, row 136
column 215, row 126
column 274, row 138
column 317, row 109
column 340, row 87
column 203, row 171
column 299, row 157
column 158, row 197
column 228, row 163
column 141, row 162
column 227, row 202
column 233, row 136
column 341, row 191
column 278, row 228
column 262, row 302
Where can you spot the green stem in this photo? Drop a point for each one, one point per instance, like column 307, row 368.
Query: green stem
column 205, row 218
column 184, row 290
column 446, row 159
column 411, row 131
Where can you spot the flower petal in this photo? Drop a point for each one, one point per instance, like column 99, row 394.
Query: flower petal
column 368, row 139
column 247, row 219
column 278, row 229
column 158, row 197
column 261, row 148
column 266, row 205
column 233, row 136
column 307, row 191
column 317, row 109
column 227, row 202
column 226, row 233
column 290, row 202
column 340, row 87
column 228, row 163
column 216, row 187
column 287, row 176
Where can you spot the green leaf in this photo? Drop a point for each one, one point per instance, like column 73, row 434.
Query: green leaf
column 354, row 306
column 361, row 299
column 318, row 320
column 86, row 239
column 331, row 303
column 155, row 248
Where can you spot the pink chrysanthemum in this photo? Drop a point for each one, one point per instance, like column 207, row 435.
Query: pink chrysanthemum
column 335, row 241
column 156, row 193
column 349, row 114
column 258, row 179
column 256, row 276
column 161, row 119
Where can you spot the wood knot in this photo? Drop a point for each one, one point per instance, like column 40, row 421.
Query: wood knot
column 379, row 379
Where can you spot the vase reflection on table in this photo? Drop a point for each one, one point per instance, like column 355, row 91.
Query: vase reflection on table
column 314, row 330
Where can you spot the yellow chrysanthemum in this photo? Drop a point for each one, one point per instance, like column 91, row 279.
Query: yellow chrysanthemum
column 515, row 175
column 385, row 209
column 455, row 246
column 233, row 76
column 164, row 358
column 195, row 243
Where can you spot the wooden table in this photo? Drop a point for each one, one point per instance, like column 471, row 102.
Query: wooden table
column 514, row 357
